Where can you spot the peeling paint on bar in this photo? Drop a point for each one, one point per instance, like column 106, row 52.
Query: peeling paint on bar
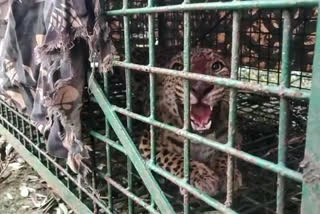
column 284, row 108
column 132, row 152
column 131, row 195
column 241, row 5
column 311, row 182
column 257, row 88
column 212, row 202
column 216, row 145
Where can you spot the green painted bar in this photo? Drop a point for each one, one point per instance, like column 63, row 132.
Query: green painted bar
column 311, row 181
column 233, row 102
column 131, row 149
column 152, row 80
column 257, row 88
column 219, row 146
column 131, row 195
column 186, row 103
column 152, row 94
column 108, row 141
column 130, row 184
column 15, row 111
column 48, row 158
column 284, row 108
column 239, row 5
column 127, row 52
column 181, row 182
column 121, row 149
column 108, row 149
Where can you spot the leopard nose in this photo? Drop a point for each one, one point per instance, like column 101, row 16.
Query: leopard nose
column 200, row 89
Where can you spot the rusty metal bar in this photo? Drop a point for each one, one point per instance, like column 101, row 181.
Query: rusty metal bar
column 216, row 145
column 152, row 94
column 131, row 149
column 186, row 103
column 240, row 5
column 257, row 88
column 131, row 195
column 233, row 103
column 284, row 108
column 181, row 183
column 128, row 77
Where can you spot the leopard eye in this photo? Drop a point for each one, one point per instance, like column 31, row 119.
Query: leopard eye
column 177, row 66
column 217, row 66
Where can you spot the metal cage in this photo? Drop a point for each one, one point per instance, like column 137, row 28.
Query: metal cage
column 274, row 47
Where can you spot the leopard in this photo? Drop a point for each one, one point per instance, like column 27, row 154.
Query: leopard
column 209, row 109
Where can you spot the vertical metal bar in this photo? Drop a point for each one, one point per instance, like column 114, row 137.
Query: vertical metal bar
column 1, row 113
column 128, row 96
column 311, row 181
column 131, row 150
column 186, row 104
column 152, row 79
column 11, row 120
column 284, row 107
column 108, row 148
column 6, row 116
column 68, row 180
column 38, row 144
column 80, row 195
column 23, row 131
column 233, row 103
column 152, row 86
column 107, row 130
column 93, row 176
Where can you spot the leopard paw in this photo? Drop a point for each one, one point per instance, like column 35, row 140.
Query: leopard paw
column 144, row 145
column 204, row 179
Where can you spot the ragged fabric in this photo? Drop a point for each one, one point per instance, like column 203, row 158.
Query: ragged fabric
column 43, row 59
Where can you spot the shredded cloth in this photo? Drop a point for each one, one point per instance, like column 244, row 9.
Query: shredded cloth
column 43, row 59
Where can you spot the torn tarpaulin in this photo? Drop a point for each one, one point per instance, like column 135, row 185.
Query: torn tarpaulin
column 44, row 57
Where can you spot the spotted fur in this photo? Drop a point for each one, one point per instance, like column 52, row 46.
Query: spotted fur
column 208, row 166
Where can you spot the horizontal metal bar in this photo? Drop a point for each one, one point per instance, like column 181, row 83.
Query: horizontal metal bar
column 257, row 88
column 76, row 205
column 132, row 152
column 54, row 163
column 131, row 195
column 23, row 117
column 241, row 5
column 216, row 145
column 108, row 141
column 182, row 183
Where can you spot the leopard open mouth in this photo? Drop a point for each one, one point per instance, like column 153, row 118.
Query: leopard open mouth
column 200, row 115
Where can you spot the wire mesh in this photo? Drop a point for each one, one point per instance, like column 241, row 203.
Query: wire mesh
column 24, row 130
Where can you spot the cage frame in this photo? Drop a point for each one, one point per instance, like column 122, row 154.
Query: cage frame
column 12, row 122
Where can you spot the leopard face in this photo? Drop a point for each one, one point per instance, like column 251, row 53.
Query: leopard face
column 209, row 117
column 204, row 97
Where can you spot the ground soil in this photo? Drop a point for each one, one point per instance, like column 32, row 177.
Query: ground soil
column 22, row 191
